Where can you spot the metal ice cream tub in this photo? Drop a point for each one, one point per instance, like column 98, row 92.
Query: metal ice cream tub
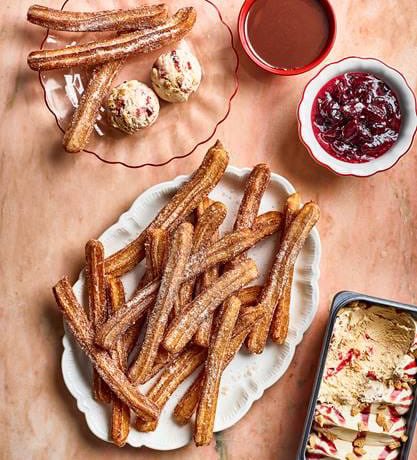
column 343, row 299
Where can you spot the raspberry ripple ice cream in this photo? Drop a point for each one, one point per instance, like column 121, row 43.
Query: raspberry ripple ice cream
column 367, row 386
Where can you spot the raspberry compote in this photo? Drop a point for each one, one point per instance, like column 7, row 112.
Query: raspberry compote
column 356, row 117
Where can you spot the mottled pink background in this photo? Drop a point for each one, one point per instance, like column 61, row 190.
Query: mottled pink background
column 51, row 203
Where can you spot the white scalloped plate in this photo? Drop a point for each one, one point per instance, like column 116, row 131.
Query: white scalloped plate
column 248, row 376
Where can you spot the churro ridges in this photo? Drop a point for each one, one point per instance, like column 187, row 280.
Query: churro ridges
column 182, row 328
column 178, row 208
column 278, row 277
column 175, row 373
column 186, row 406
column 233, row 244
column 107, row 368
column 120, row 412
column 208, row 222
column 205, row 227
column 120, row 47
column 280, row 321
column 97, row 304
column 255, row 187
column 221, row 251
column 79, row 131
column 178, row 254
column 217, row 354
column 98, row 21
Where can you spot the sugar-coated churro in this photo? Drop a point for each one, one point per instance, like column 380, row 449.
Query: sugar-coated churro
column 98, row 21
column 213, row 369
column 249, row 295
column 97, row 304
column 107, row 368
column 156, row 248
column 178, row 254
column 278, row 276
column 183, row 327
column 233, row 244
column 255, row 187
column 188, row 403
column 79, row 131
column 185, row 200
column 123, row 45
column 203, row 334
column 221, row 251
column 120, row 413
column 127, row 316
column 280, row 321
column 206, row 226
column 171, row 378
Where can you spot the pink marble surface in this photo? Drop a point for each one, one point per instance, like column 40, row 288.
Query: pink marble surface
column 51, row 203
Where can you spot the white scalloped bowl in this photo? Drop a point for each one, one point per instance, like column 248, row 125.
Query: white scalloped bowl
column 395, row 81
column 248, row 376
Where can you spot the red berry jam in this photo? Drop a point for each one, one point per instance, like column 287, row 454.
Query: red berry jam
column 356, row 117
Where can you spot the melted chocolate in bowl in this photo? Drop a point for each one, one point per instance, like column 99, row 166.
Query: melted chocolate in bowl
column 287, row 34
column 356, row 117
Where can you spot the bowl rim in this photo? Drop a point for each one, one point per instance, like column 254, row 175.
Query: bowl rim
column 310, row 149
column 247, row 4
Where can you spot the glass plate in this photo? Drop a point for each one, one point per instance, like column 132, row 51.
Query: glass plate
column 180, row 128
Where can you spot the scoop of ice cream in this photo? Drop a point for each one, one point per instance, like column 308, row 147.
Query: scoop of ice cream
column 132, row 106
column 176, row 75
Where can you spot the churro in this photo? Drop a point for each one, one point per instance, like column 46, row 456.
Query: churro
column 178, row 254
column 171, row 378
column 213, row 369
column 120, row 413
column 156, row 248
column 185, row 200
column 206, row 226
column 98, row 21
column 107, row 368
column 280, row 321
column 120, row 47
column 188, row 403
column 255, row 187
column 249, row 295
column 156, row 245
column 278, row 276
column 79, row 131
column 221, row 251
column 183, row 327
column 234, row 243
column 97, row 304
column 203, row 334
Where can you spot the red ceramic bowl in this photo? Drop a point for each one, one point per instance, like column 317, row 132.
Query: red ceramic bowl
column 277, row 71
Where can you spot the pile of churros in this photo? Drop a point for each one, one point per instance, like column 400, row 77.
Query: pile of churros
column 137, row 31
column 193, row 306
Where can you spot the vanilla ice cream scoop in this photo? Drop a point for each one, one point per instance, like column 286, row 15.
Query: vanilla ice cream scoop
column 176, row 75
column 132, row 106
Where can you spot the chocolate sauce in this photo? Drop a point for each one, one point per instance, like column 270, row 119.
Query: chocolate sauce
column 287, row 34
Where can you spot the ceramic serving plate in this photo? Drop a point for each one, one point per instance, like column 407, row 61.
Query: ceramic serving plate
column 248, row 376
